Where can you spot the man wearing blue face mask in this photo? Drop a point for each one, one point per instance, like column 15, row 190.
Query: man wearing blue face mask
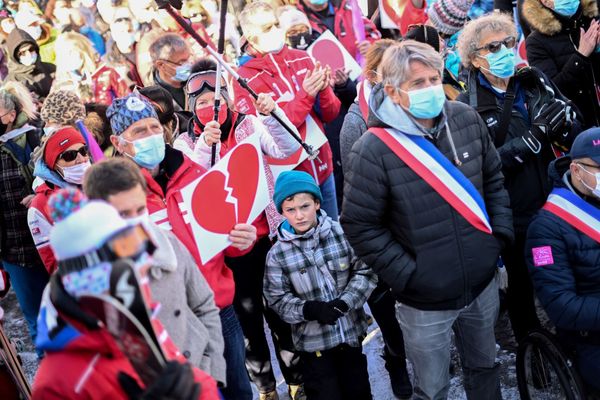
column 425, row 208
column 172, row 61
column 528, row 119
column 565, row 45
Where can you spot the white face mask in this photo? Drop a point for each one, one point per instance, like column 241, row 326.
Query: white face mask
column 29, row 59
column 74, row 174
column 596, row 190
column 271, row 42
column 34, row 31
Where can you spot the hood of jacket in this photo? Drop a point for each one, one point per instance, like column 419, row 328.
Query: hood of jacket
column 43, row 171
column 164, row 257
column 286, row 233
column 557, row 170
column 546, row 21
column 16, row 39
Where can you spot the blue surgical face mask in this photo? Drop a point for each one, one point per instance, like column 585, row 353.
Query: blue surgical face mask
column 28, row 59
column 149, row 151
column 566, row 8
column 502, row 63
column 182, row 73
column 318, row 2
column 426, row 103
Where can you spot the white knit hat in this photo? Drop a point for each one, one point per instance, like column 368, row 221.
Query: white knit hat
column 290, row 16
column 86, row 229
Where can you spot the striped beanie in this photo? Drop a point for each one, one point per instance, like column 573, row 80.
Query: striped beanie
column 449, row 16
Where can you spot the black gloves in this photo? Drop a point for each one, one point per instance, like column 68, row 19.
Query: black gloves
column 176, row 381
column 326, row 313
column 550, row 121
column 164, row 3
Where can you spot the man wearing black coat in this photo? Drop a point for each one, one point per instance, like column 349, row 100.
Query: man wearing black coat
column 438, row 263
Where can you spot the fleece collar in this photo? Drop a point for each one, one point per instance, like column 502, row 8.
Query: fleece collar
column 546, row 21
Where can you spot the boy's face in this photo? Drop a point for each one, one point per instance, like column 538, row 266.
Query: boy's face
column 130, row 203
column 301, row 212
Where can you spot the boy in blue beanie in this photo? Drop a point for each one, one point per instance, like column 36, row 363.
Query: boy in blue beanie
column 314, row 282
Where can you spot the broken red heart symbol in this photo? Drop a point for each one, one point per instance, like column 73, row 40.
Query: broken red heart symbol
column 328, row 53
column 210, row 205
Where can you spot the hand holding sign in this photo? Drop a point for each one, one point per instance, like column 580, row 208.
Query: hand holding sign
column 328, row 51
column 226, row 199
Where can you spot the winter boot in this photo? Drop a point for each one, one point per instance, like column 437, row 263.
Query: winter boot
column 296, row 392
column 399, row 379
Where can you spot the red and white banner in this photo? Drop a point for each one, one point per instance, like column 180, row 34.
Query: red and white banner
column 330, row 51
column 313, row 135
column 233, row 192
column 575, row 211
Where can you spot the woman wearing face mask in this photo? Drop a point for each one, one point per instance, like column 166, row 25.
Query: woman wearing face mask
column 529, row 121
column 79, row 68
column 25, row 65
column 19, row 258
column 565, row 45
column 64, row 160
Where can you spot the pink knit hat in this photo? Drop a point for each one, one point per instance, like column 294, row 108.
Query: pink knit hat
column 449, row 16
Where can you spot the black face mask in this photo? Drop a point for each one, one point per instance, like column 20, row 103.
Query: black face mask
column 300, row 41
column 3, row 128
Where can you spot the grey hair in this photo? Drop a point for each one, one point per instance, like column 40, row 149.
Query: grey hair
column 164, row 47
column 15, row 96
column 493, row 22
column 251, row 9
column 395, row 66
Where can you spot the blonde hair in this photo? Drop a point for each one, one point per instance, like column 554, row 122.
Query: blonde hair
column 468, row 41
column 374, row 56
column 15, row 96
column 72, row 42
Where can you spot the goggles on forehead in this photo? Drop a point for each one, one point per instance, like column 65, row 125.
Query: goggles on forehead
column 131, row 242
column 200, row 81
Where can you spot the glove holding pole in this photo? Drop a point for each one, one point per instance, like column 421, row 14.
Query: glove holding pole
column 277, row 113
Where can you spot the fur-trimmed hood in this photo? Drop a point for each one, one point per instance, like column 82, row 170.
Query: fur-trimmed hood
column 543, row 20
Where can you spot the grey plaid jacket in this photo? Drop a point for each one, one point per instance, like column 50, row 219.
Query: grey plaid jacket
column 319, row 265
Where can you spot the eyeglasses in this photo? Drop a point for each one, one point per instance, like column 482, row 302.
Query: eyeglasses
column 71, row 155
column 174, row 63
column 495, row 46
column 202, row 80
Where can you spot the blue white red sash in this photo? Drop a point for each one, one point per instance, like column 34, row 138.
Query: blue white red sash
column 363, row 94
column 434, row 168
column 575, row 211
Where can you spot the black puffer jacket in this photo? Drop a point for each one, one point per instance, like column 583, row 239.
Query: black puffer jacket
column 552, row 47
column 430, row 256
column 38, row 77
column 525, row 173
column 569, row 287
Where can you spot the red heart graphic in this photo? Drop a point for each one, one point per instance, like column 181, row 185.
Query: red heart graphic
column 329, row 53
column 209, row 201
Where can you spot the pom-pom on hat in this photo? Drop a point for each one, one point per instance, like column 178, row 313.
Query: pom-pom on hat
column 60, row 141
column 449, row 16
column 125, row 111
column 290, row 183
column 81, row 226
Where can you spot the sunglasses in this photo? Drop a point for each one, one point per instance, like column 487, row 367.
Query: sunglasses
column 494, row 47
column 71, row 155
column 202, row 80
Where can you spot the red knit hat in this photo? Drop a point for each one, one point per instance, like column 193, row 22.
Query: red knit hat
column 60, row 141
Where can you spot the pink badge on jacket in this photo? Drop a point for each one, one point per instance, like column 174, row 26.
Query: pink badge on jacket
column 542, row 256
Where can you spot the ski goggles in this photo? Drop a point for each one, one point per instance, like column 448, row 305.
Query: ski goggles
column 201, row 81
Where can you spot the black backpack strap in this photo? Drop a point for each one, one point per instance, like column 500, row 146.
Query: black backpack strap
column 502, row 128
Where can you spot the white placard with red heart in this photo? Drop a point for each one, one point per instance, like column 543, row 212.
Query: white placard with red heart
column 313, row 135
column 329, row 51
column 234, row 191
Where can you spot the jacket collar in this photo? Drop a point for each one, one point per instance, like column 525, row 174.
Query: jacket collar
column 546, row 21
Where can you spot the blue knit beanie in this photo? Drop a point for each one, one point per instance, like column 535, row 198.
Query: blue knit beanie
column 125, row 111
column 290, row 183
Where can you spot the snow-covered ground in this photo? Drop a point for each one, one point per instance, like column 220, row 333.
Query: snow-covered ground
column 16, row 328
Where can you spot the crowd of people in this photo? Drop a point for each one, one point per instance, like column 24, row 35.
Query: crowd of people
column 457, row 175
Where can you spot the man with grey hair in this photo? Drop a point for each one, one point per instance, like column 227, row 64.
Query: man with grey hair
column 425, row 207
column 172, row 65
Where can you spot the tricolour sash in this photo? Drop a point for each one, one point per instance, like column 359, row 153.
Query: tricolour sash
column 434, row 168
column 363, row 93
column 575, row 211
